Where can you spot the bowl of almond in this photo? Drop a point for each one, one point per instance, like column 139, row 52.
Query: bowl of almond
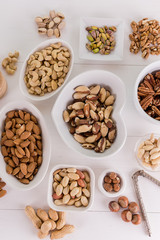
column 25, row 145
column 88, row 114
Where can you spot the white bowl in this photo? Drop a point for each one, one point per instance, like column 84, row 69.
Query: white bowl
column 71, row 208
column 42, row 45
column 106, row 79
column 101, row 180
column 148, row 69
column 9, row 179
column 142, row 139
column 117, row 53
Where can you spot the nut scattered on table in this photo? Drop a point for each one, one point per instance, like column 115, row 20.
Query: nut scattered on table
column 149, row 94
column 71, row 186
column 101, row 39
column 2, row 191
column 112, row 182
column 145, row 37
column 51, row 25
column 89, row 117
column 149, row 152
column 9, row 63
column 127, row 215
column 21, row 145
column 51, row 222
column 47, row 69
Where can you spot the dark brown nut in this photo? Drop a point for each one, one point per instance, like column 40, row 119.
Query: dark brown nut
column 107, row 179
column 108, row 187
column 133, row 207
column 123, row 202
column 116, row 187
column 126, row 216
column 113, row 175
column 114, row 206
column 136, row 219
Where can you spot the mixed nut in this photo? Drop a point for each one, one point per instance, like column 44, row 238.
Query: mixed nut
column 101, row 39
column 129, row 215
column 9, row 63
column 149, row 94
column 149, row 152
column 51, row 222
column 47, row 69
column 21, row 145
column 71, row 186
column 51, row 25
column 2, row 191
column 112, row 182
column 145, row 37
column 89, row 117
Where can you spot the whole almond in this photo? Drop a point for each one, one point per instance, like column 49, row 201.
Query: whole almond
column 23, row 168
column 25, row 135
column 9, row 143
column 2, row 193
column 9, row 134
column 29, row 126
column 31, row 167
column 20, row 150
column 36, row 129
column 25, row 143
column 4, row 151
column 8, row 125
column 9, row 169
column 2, row 184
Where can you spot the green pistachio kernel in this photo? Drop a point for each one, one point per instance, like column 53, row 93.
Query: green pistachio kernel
column 96, row 50
column 90, row 38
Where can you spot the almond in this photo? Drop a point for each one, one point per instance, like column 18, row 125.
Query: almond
column 2, row 184
column 27, row 117
column 21, row 114
column 25, row 135
column 18, row 154
column 31, row 167
column 15, row 160
column 9, row 169
column 4, row 151
column 17, row 141
column 29, row 126
column 20, row 130
column 23, row 168
column 24, row 181
column 9, row 143
column 36, row 129
column 27, row 152
column 25, row 143
column 2, row 193
column 10, row 114
column 9, row 134
column 20, row 150
column 16, row 171
column 8, row 125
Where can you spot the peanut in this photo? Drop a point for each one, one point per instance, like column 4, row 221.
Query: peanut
column 33, row 217
column 67, row 229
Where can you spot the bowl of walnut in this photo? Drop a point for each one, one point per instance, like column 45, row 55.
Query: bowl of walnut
column 46, row 69
column 147, row 93
column 88, row 114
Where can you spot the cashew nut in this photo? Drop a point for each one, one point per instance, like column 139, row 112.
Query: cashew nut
column 56, row 45
column 40, row 56
column 9, row 70
column 61, row 57
column 36, row 63
column 34, row 76
column 32, row 83
column 5, row 62
column 57, row 69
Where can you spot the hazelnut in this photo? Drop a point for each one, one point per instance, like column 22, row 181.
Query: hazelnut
column 123, row 202
column 108, row 187
column 116, row 180
column 133, row 207
column 136, row 219
column 113, row 175
column 126, row 216
column 107, row 179
column 114, row 206
column 116, row 187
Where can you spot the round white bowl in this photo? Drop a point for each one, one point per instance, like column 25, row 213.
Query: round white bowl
column 108, row 80
column 148, row 69
column 71, row 208
column 9, row 179
column 142, row 139
column 42, row 45
column 101, row 181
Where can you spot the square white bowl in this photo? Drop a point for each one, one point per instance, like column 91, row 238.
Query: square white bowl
column 109, row 81
column 117, row 53
column 10, row 179
column 71, row 208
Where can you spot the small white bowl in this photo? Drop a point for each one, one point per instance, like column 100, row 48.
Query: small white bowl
column 117, row 53
column 101, row 181
column 155, row 66
column 9, row 179
column 71, row 208
column 42, row 45
column 108, row 80
column 142, row 139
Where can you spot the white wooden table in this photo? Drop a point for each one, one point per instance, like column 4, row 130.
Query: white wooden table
column 19, row 32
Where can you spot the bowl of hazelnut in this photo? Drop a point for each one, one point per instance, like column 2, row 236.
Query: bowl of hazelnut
column 111, row 183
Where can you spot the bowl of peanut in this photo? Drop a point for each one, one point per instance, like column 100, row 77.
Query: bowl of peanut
column 46, row 69
column 71, row 188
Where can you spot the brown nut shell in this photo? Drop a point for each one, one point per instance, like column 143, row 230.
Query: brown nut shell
column 133, row 207
column 123, row 202
column 114, row 206
column 136, row 219
column 126, row 216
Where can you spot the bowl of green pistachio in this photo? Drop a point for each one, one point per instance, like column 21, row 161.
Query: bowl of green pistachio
column 101, row 39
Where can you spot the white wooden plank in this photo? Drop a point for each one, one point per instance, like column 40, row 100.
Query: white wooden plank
column 89, row 226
